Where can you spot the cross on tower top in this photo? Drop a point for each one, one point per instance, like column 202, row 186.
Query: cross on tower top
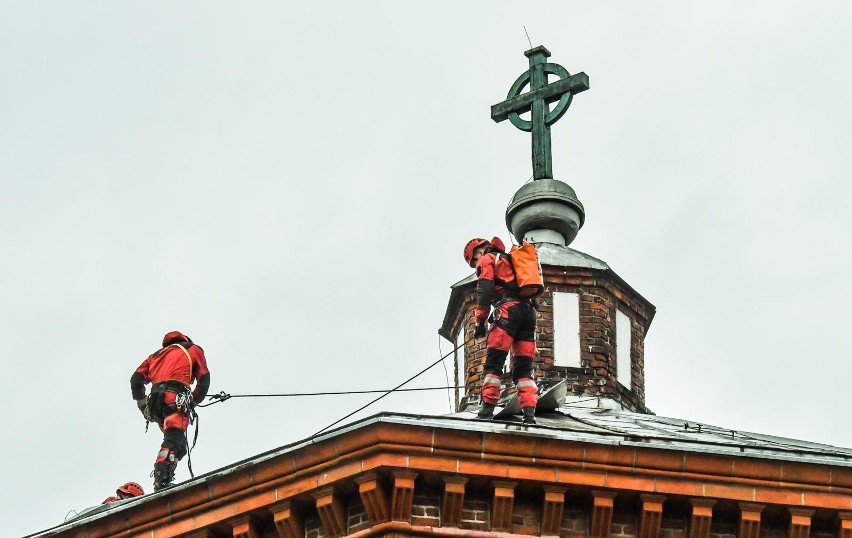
column 537, row 99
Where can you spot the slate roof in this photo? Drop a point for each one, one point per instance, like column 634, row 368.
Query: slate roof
column 606, row 421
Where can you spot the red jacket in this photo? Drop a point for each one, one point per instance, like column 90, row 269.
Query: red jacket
column 495, row 278
column 183, row 362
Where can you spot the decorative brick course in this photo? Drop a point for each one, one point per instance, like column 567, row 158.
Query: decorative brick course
column 502, row 505
column 602, row 509
column 800, row 523
column 374, row 500
column 702, row 518
column 403, row 494
column 651, row 515
column 844, row 525
column 331, row 512
column 287, row 521
column 245, row 527
column 552, row 509
column 750, row 520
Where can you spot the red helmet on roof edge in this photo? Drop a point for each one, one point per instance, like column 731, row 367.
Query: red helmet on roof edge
column 471, row 246
column 175, row 337
column 131, row 488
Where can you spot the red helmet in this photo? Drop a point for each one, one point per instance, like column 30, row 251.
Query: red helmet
column 471, row 246
column 175, row 337
column 131, row 489
column 110, row 500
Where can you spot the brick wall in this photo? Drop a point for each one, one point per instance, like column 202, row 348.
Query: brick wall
column 575, row 524
column 624, row 525
column 601, row 294
column 526, row 517
column 357, row 516
column 426, row 508
column 475, row 513
column 671, row 527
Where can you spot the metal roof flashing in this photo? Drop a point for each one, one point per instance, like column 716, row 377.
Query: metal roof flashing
column 562, row 256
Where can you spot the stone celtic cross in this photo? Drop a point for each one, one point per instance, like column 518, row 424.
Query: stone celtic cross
column 537, row 99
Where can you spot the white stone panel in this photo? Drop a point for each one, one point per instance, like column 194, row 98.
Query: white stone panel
column 622, row 348
column 566, row 329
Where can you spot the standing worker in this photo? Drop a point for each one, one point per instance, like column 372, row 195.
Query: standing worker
column 513, row 326
column 171, row 370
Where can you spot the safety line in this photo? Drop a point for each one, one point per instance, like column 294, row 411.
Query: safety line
column 222, row 396
column 393, row 389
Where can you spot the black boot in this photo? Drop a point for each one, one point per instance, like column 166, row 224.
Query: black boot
column 164, row 474
column 529, row 415
column 486, row 412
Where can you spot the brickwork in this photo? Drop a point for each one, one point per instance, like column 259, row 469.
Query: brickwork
column 673, row 527
column 772, row 532
column 426, row 508
column 601, row 294
column 526, row 517
column 624, row 525
column 357, row 516
column 575, row 524
column 723, row 529
column 313, row 528
column 475, row 513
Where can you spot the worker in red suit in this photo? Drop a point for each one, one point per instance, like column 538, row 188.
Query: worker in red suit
column 171, row 370
column 513, row 326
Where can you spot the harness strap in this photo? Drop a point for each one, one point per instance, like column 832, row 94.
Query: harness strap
column 185, row 352
column 511, row 291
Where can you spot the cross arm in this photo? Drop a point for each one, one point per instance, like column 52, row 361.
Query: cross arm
column 550, row 93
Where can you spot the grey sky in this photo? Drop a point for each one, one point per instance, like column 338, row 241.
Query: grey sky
column 292, row 186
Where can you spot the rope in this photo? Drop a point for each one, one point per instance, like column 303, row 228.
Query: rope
column 446, row 376
column 193, row 419
column 223, row 396
column 395, row 389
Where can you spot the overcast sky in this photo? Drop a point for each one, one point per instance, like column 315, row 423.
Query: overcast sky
column 292, row 186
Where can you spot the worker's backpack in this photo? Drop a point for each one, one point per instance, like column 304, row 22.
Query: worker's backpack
column 527, row 268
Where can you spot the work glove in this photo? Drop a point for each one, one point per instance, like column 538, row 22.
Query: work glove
column 141, row 405
column 479, row 331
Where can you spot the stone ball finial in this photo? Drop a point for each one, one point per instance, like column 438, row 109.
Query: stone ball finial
column 545, row 211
